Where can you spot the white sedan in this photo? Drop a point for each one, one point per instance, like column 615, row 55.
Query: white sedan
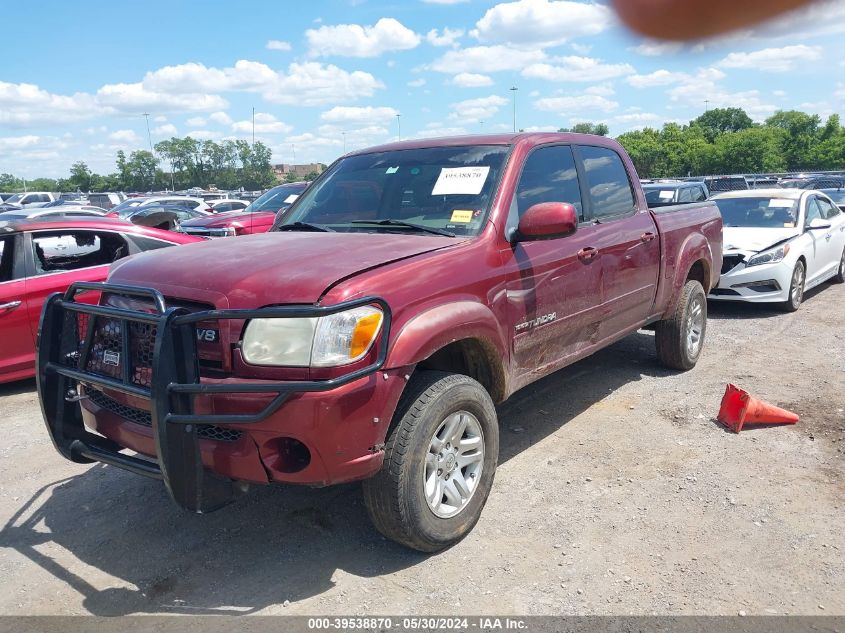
column 778, row 243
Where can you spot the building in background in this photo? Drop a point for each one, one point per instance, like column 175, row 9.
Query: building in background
column 290, row 173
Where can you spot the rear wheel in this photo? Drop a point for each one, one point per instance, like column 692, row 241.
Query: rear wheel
column 680, row 338
column 839, row 278
column 796, row 288
column 439, row 462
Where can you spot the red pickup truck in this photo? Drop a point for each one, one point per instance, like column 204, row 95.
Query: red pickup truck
column 411, row 288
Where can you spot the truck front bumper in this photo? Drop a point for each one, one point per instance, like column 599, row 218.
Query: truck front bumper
column 134, row 378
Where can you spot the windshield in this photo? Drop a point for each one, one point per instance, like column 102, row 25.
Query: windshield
column 442, row 188
column 276, row 199
column 656, row 196
column 764, row 212
column 124, row 209
column 15, row 199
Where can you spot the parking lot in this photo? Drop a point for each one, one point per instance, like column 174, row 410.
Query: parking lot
column 617, row 493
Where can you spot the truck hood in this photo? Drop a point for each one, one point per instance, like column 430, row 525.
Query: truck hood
column 268, row 268
column 754, row 240
column 227, row 218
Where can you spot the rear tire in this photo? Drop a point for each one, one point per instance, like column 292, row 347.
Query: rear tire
column 680, row 338
column 839, row 277
column 796, row 288
column 422, row 451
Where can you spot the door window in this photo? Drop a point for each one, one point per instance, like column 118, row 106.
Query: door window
column 813, row 211
column 58, row 251
column 699, row 195
column 549, row 175
column 685, row 195
column 828, row 211
column 6, row 258
column 607, row 180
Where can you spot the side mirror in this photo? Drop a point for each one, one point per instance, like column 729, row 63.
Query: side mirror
column 546, row 221
column 818, row 224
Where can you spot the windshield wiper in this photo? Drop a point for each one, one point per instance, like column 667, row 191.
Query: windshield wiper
column 304, row 226
column 409, row 225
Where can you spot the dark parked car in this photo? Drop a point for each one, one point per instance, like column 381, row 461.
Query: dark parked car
column 814, row 182
column 161, row 216
column 667, row 193
column 837, row 195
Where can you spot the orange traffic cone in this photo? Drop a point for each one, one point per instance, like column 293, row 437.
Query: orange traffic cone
column 738, row 407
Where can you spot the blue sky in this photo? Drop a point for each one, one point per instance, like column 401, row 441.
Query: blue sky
column 322, row 74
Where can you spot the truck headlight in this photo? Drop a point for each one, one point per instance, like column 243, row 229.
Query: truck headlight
column 329, row 341
column 772, row 256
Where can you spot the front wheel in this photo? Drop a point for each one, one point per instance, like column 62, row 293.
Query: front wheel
column 796, row 288
column 440, row 457
column 680, row 337
column 839, row 277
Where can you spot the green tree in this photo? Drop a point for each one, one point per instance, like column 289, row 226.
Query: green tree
column 801, row 130
column 599, row 129
column 753, row 150
column 8, row 182
column 80, row 177
column 723, row 121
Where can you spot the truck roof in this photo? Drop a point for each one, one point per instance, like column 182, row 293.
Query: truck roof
column 532, row 138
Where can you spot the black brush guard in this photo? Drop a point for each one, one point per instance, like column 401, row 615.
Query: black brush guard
column 70, row 344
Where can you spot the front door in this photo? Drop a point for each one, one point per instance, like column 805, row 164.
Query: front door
column 17, row 346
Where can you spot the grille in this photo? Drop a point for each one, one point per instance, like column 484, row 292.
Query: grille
column 729, row 262
column 139, row 416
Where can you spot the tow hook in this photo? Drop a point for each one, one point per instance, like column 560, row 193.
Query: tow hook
column 73, row 396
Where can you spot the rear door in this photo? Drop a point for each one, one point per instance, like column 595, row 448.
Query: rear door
column 626, row 239
column 17, row 352
column 56, row 259
column 832, row 240
column 553, row 289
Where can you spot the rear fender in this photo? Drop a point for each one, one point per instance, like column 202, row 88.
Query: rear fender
column 695, row 248
column 442, row 325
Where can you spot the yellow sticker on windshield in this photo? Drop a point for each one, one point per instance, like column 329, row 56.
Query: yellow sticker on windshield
column 462, row 215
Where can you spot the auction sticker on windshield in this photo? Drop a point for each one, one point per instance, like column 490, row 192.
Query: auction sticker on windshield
column 781, row 203
column 462, row 215
column 667, row 195
column 460, row 181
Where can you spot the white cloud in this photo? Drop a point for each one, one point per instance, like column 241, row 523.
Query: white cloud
column 444, row 1
column 136, row 98
column 196, row 121
column 264, row 124
column 436, row 130
column 581, row 103
column 634, row 120
column 471, row 80
column 655, row 48
column 357, row 115
column 314, row 84
column 574, row 68
column 354, row 40
column 486, row 59
column 448, row 37
column 542, row 22
column 581, row 49
column 278, row 45
column 220, row 117
column 417, row 83
column 160, row 119
column 472, row 110
column 773, row 59
column 204, row 135
column 124, row 136
column 657, row 78
column 693, row 89
column 168, row 129
column 25, row 104
column 198, row 78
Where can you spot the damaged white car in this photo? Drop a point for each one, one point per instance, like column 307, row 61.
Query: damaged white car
column 779, row 243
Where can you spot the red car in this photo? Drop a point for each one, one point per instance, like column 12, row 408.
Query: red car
column 258, row 217
column 369, row 336
column 39, row 258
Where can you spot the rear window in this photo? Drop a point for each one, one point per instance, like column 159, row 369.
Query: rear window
column 607, row 180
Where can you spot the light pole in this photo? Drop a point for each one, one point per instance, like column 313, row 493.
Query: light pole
column 253, row 128
column 707, row 105
column 149, row 137
column 482, row 125
column 344, row 141
column 513, row 89
column 293, row 149
column 398, row 128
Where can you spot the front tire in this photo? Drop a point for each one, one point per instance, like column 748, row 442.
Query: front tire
column 796, row 288
column 680, row 337
column 440, row 458
column 839, row 277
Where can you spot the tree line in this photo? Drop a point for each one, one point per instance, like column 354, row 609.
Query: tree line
column 720, row 141
column 178, row 163
column 728, row 141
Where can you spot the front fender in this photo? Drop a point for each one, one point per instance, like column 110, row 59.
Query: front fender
column 437, row 327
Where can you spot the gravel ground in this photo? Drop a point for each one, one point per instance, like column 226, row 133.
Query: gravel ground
column 617, row 493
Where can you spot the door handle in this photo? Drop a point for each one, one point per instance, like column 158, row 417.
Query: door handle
column 647, row 237
column 588, row 254
column 11, row 305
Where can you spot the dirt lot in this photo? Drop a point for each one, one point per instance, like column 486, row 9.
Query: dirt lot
column 617, row 493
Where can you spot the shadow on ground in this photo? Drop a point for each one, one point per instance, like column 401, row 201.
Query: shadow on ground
column 276, row 543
